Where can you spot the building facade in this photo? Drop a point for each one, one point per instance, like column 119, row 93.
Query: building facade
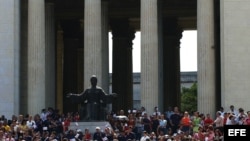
column 52, row 47
column 187, row 80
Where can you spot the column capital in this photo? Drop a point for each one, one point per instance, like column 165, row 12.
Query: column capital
column 122, row 28
column 171, row 27
column 172, row 30
column 105, row 0
column 73, row 31
column 49, row 1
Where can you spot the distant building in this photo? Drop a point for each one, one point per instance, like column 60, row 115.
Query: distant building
column 187, row 79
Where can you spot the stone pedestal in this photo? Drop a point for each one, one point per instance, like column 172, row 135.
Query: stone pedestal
column 90, row 125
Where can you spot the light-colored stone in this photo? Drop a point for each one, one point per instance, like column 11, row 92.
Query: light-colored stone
column 149, row 55
column 36, row 56
column 9, row 57
column 89, row 125
column 206, row 57
column 235, row 52
column 92, row 41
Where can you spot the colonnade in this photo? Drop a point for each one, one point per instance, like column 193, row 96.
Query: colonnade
column 160, row 64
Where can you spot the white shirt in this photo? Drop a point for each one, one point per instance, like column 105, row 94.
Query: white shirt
column 143, row 138
column 43, row 116
column 219, row 121
column 157, row 113
column 163, row 122
column 31, row 124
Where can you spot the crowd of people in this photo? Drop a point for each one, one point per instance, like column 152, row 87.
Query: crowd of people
column 136, row 124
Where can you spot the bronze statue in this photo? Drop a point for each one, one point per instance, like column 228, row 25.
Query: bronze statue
column 95, row 100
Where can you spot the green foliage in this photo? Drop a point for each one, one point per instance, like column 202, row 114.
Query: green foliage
column 189, row 98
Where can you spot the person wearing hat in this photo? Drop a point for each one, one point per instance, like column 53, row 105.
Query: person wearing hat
column 98, row 135
column 79, row 135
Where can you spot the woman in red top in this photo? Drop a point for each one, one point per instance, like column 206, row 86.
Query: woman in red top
column 76, row 116
column 186, row 123
column 210, row 133
column 225, row 118
column 200, row 135
column 66, row 122
column 208, row 121
column 87, row 135
column 131, row 120
column 247, row 120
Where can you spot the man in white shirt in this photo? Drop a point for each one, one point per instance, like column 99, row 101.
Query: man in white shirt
column 144, row 136
column 233, row 111
column 219, row 121
column 31, row 123
column 162, row 125
column 156, row 112
column 43, row 115
column 222, row 111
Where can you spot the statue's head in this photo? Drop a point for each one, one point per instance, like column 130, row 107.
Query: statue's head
column 93, row 80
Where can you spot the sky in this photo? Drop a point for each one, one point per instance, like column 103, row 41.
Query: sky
column 188, row 52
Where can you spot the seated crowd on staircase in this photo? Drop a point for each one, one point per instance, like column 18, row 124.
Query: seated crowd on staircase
column 135, row 124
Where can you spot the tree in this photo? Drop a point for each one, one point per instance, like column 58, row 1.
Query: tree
column 189, row 98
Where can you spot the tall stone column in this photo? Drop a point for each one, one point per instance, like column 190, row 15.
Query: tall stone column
column 171, row 62
column 92, row 42
column 50, row 55
column 206, row 56
column 150, row 84
column 80, row 60
column 36, row 56
column 71, row 42
column 9, row 57
column 122, row 79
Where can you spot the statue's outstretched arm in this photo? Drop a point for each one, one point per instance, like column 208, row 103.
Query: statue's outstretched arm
column 109, row 98
column 75, row 98
column 114, row 94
